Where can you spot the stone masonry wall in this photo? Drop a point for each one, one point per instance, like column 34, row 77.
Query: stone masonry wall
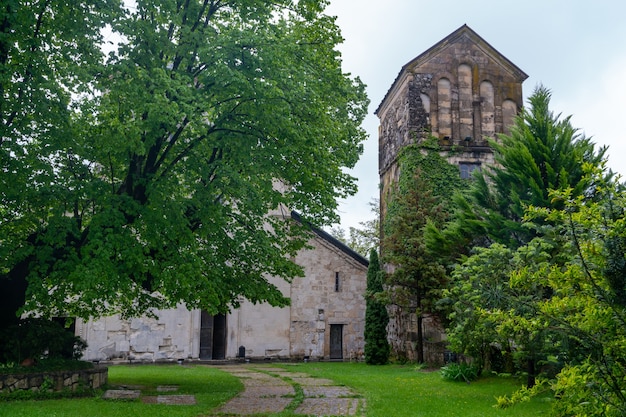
column 59, row 380
column 319, row 301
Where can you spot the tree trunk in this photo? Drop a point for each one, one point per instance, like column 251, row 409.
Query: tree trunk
column 530, row 368
column 420, row 340
column 13, row 294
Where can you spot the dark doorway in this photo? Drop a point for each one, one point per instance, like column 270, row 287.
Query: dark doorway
column 336, row 341
column 212, row 336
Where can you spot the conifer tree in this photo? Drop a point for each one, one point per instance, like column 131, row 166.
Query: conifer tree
column 543, row 152
column 418, row 278
column 376, row 316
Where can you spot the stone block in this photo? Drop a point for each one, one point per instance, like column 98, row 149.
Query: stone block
column 121, row 394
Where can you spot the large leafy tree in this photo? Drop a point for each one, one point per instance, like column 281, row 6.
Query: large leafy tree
column 164, row 179
column 543, row 156
column 49, row 52
column 587, row 305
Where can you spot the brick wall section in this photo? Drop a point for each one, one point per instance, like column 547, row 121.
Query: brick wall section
column 70, row 380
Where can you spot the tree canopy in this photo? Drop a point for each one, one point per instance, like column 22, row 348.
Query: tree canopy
column 546, row 289
column 156, row 174
column 543, row 152
column 417, row 276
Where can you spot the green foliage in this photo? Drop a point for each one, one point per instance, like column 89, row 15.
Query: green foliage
column 364, row 238
column 37, row 339
column 524, row 394
column 586, row 303
column 499, row 292
column 376, row 316
column 542, row 152
column 576, row 329
column 460, row 372
column 425, row 184
column 148, row 180
column 45, row 365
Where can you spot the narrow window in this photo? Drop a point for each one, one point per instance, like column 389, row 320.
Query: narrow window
column 337, row 282
column 467, row 168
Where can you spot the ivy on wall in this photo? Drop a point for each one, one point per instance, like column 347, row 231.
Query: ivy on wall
column 423, row 195
column 441, row 178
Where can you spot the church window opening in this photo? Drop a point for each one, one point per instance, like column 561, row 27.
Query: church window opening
column 337, row 282
column 467, row 168
column 444, row 107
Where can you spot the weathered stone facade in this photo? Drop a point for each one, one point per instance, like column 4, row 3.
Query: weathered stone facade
column 326, row 319
column 462, row 92
column 55, row 381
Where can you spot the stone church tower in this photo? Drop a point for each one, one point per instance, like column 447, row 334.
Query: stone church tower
column 461, row 91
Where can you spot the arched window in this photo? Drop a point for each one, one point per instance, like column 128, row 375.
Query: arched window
column 466, row 117
column 487, row 110
column 425, row 102
column 444, row 108
column 509, row 111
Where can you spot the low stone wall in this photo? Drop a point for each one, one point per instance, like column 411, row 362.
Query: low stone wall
column 56, row 381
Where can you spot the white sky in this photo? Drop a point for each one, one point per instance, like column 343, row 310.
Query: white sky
column 575, row 48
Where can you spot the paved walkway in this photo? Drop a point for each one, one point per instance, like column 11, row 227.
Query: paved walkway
column 272, row 389
column 267, row 389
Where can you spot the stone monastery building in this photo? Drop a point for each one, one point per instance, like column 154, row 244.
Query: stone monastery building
column 461, row 91
column 326, row 319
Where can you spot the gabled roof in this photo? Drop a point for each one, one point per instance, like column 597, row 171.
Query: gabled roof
column 333, row 241
column 463, row 31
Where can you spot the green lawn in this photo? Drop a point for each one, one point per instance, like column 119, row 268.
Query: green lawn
column 398, row 391
column 210, row 386
column 390, row 391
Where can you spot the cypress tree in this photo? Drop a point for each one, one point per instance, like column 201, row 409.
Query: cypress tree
column 376, row 316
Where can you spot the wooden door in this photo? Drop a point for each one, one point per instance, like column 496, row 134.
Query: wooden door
column 219, row 336
column 212, row 336
column 206, row 335
column 336, row 341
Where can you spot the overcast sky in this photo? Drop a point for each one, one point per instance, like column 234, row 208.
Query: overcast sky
column 575, row 48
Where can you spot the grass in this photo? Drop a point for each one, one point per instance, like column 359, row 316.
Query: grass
column 399, row 391
column 389, row 391
column 210, row 386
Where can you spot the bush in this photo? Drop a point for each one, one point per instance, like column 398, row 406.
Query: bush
column 46, row 365
column 459, row 372
column 37, row 339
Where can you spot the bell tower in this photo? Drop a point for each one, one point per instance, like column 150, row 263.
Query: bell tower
column 460, row 91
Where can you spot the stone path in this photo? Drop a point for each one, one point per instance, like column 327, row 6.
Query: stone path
column 266, row 390
column 271, row 390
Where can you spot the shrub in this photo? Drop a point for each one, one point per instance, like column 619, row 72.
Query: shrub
column 459, row 372
column 46, row 365
column 37, row 339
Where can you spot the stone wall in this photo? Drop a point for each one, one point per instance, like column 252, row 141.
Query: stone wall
column 168, row 336
column 331, row 294
column 56, row 381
